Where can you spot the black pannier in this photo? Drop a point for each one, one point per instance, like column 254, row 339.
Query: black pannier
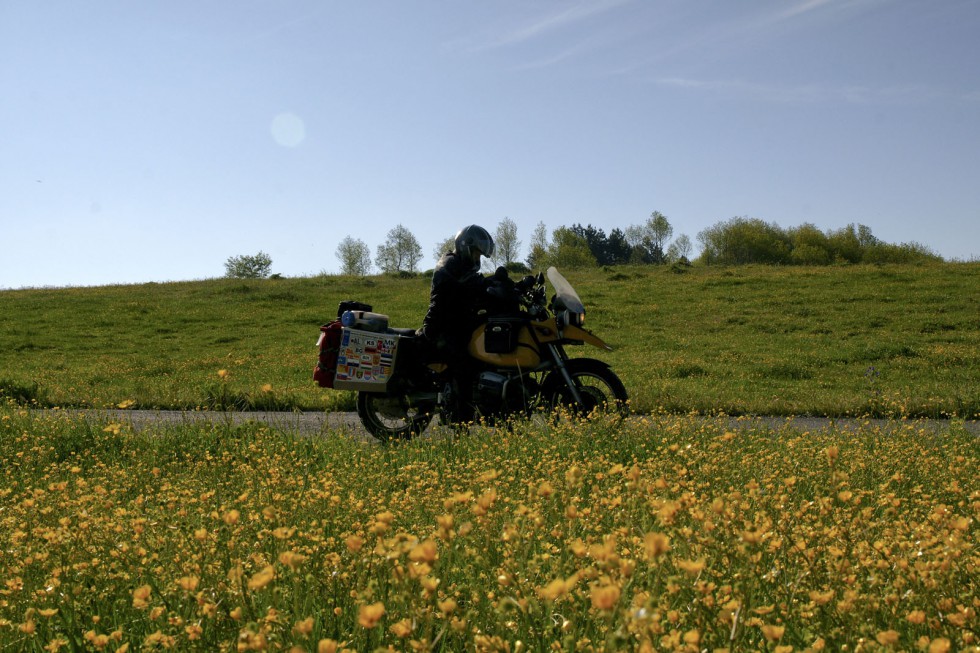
column 501, row 335
column 352, row 306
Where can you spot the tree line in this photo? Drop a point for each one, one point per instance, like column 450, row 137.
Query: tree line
column 737, row 241
column 577, row 245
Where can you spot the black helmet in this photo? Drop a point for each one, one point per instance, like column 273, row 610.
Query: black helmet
column 471, row 242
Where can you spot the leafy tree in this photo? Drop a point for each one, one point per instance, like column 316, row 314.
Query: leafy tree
column 680, row 249
column 569, row 250
column 639, row 244
column 648, row 241
column 248, row 267
column 619, row 248
column 659, row 232
column 596, row 240
column 866, row 238
column 506, row 245
column 400, row 252
column 810, row 245
column 355, row 257
column 845, row 244
column 443, row 246
column 745, row 240
column 912, row 252
column 538, row 255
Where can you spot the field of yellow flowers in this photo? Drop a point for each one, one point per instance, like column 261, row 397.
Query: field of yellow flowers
column 656, row 533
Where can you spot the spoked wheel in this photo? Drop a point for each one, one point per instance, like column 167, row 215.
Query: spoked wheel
column 599, row 388
column 390, row 418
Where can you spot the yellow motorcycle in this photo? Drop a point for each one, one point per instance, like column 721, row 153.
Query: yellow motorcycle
column 518, row 361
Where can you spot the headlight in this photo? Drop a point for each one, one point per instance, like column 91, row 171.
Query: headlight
column 574, row 319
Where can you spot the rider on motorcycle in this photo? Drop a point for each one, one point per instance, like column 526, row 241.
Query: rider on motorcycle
column 458, row 292
column 460, row 298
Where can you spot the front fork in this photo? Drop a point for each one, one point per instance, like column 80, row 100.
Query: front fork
column 559, row 356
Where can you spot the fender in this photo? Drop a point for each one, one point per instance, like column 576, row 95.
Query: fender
column 577, row 333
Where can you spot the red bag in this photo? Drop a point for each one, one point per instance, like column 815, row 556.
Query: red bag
column 326, row 367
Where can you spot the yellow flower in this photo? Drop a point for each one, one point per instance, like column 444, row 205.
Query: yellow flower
column 98, row 640
column 327, row 646
column 354, row 543
column 655, row 545
column 554, row 590
column 369, row 615
column 231, row 517
column 48, row 612
column 916, row 617
column 141, row 597
column 832, row 454
column 188, row 583
column 691, row 567
column 752, row 537
column 484, row 502
column 267, row 388
column 426, row 551
column 773, row 633
column 401, row 629
column 304, row 627
column 821, row 598
column 223, row 374
column 605, row 597
column 126, row 404
column 283, row 533
column 292, row 559
column 261, row 578
column 887, row 637
column 940, row 645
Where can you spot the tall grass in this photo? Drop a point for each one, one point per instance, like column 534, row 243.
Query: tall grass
column 661, row 533
column 887, row 341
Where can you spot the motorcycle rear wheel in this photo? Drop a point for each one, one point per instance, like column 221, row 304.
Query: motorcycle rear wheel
column 390, row 418
column 599, row 387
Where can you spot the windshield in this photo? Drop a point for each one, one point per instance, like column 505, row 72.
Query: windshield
column 566, row 297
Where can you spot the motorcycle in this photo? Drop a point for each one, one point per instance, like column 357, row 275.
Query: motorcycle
column 518, row 366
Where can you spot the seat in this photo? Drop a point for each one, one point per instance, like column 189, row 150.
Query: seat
column 404, row 333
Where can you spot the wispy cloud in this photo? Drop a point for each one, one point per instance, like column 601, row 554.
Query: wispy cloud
column 806, row 12
column 543, row 24
column 819, row 93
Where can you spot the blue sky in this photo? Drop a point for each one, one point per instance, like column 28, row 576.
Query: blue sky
column 150, row 141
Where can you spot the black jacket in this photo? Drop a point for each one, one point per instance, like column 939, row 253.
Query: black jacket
column 458, row 294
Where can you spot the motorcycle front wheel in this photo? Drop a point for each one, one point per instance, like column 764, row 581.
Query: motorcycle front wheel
column 598, row 387
column 390, row 418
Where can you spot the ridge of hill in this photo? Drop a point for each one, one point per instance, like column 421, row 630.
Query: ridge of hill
column 883, row 341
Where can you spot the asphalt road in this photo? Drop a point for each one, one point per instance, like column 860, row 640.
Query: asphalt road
column 312, row 423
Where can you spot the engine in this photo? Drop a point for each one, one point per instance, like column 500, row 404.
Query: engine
column 497, row 394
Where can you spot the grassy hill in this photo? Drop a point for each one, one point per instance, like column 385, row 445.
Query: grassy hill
column 861, row 340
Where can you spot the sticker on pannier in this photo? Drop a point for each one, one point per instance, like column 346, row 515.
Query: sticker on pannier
column 366, row 361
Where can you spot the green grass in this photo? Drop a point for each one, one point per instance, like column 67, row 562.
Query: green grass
column 860, row 340
column 666, row 531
